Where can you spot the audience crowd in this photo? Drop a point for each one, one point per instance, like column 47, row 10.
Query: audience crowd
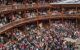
column 8, row 2
column 5, row 19
column 39, row 37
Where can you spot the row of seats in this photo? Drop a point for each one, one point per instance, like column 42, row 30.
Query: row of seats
column 56, row 35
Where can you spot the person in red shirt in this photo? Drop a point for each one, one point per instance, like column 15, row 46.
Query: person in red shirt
column 1, row 46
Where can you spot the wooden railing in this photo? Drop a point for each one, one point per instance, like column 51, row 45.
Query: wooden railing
column 27, row 20
column 4, row 8
column 21, row 6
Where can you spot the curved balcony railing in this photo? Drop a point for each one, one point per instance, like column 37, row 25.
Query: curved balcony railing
column 21, row 6
column 27, row 20
column 4, row 8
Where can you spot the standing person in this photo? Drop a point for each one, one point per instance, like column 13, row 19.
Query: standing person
column 1, row 46
column 13, row 18
column 14, row 47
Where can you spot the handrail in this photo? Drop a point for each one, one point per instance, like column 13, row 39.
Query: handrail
column 20, row 6
column 27, row 20
column 4, row 8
